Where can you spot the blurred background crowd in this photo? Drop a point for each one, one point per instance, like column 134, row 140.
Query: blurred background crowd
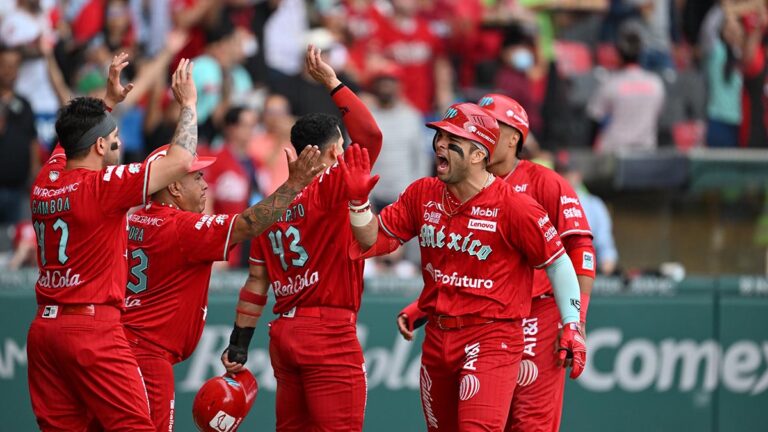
column 631, row 100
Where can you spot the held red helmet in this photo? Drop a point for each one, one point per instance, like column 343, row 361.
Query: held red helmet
column 199, row 163
column 467, row 120
column 508, row 111
column 222, row 402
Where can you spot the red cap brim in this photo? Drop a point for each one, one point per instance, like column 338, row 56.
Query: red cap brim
column 202, row 162
column 451, row 129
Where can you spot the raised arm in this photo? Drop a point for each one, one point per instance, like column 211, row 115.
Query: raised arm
column 255, row 219
column 250, row 305
column 357, row 119
column 184, row 143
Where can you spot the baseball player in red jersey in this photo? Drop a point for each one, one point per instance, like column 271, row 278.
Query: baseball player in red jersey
column 480, row 242
column 80, row 364
column 315, row 354
column 171, row 249
column 537, row 402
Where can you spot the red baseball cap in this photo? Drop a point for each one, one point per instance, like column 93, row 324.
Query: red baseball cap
column 508, row 111
column 469, row 121
column 199, row 163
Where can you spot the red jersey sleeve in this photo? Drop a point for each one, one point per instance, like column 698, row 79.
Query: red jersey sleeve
column 398, row 219
column 532, row 232
column 205, row 238
column 120, row 187
column 256, row 255
column 359, row 121
column 562, row 204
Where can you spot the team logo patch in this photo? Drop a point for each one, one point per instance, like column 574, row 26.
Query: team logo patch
column 588, row 262
column 485, row 101
column 53, row 175
column 576, row 303
column 134, row 168
column 451, row 113
column 432, row 217
column 527, row 373
column 223, row 422
column 469, row 387
column 482, row 225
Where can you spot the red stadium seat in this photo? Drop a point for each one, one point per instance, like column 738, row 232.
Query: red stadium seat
column 573, row 58
column 607, row 56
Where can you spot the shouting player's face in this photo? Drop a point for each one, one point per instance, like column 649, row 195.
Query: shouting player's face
column 192, row 188
column 452, row 157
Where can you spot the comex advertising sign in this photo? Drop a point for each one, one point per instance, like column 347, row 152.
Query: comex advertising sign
column 684, row 365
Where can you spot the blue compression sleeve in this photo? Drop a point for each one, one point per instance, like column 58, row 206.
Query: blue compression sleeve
column 566, row 286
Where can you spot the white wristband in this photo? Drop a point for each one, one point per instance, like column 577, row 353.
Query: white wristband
column 359, row 207
column 360, row 219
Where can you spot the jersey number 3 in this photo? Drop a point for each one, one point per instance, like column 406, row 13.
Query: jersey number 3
column 139, row 271
column 292, row 233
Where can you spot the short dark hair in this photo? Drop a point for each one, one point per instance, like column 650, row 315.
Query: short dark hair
column 629, row 44
column 75, row 119
column 232, row 116
column 315, row 129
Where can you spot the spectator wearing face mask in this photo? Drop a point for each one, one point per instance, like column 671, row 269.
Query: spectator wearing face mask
column 521, row 74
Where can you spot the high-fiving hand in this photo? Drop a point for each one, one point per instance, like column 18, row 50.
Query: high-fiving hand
column 355, row 168
column 320, row 71
column 302, row 170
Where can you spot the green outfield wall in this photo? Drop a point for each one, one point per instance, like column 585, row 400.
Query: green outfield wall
column 663, row 356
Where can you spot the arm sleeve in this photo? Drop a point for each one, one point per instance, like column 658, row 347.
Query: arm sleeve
column 120, row 187
column 566, row 287
column 582, row 254
column 358, row 120
column 205, row 238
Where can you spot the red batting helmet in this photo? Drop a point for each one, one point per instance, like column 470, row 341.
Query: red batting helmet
column 222, row 402
column 508, row 111
column 467, row 120
column 199, row 163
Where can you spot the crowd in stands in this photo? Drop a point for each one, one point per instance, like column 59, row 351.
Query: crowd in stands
column 613, row 75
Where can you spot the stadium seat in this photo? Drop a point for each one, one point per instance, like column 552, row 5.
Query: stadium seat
column 573, row 58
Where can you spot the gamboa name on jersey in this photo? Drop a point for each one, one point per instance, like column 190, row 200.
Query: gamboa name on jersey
column 430, row 237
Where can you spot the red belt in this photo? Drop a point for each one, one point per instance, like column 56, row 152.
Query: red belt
column 52, row 311
column 447, row 322
column 327, row 312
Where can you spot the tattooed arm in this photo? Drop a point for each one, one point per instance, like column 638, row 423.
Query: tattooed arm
column 255, row 219
column 181, row 153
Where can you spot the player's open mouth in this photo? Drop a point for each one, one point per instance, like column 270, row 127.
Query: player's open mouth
column 442, row 164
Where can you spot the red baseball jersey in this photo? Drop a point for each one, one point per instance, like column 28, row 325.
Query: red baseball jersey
column 558, row 198
column 414, row 49
column 170, row 254
column 306, row 250
column 79, row 221
column 480, row 260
